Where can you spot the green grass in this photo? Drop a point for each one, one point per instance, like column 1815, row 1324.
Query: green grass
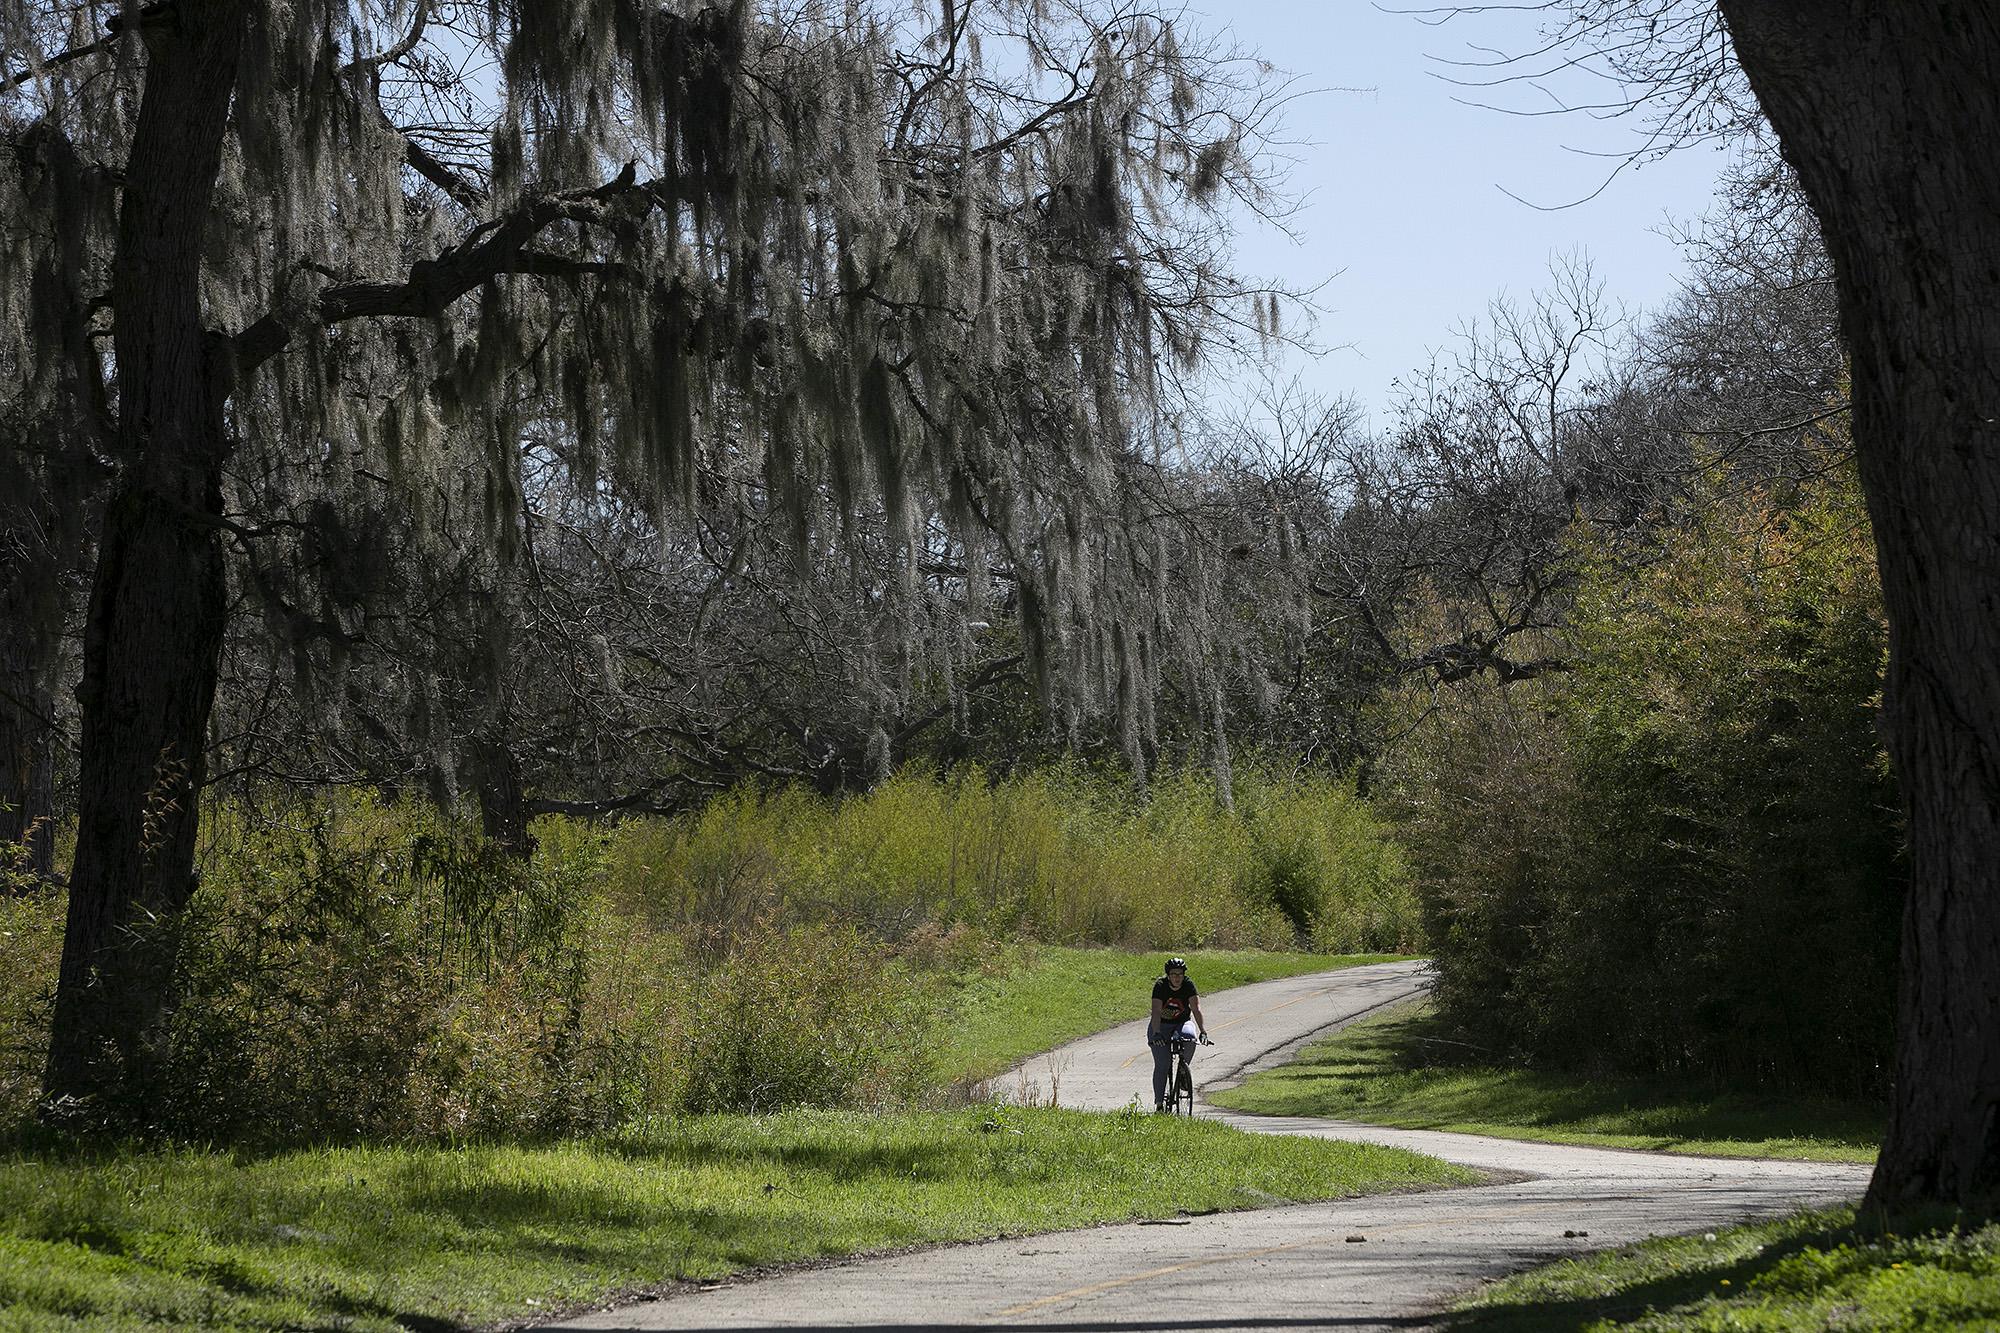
column 1398, row 1069
column 1058, row 995
column 1811, row 1271
column 362, row 1238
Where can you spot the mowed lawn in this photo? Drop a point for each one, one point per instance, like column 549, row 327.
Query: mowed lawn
column 394, row 1238
column 1400, row 1069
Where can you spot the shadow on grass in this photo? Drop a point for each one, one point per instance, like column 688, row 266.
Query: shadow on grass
column 1866, row 1248
column 1572, row 1315
column 1409, row 1069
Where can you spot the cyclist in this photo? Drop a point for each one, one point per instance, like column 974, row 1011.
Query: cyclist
column 1175, row 1000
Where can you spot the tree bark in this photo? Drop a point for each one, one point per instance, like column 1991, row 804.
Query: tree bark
column 503, row 808
column 1889, row 110
column 153, row 634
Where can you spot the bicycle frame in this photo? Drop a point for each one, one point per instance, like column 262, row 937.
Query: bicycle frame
column 1180, row 1082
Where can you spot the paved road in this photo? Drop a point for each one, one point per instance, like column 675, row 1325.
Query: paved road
column 1359, row 1264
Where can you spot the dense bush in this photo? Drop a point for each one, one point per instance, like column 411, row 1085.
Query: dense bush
column 360, row 970
column 810, row 1016
column 1683, row 856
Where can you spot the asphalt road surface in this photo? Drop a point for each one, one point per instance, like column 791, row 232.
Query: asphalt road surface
column 1386, row 1262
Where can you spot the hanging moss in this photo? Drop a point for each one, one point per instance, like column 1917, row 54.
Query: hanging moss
column 929, row 326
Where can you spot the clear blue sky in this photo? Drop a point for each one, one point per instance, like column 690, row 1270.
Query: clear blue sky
column 1404, row 186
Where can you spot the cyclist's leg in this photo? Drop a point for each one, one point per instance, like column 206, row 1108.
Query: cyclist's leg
column 1163, row 1060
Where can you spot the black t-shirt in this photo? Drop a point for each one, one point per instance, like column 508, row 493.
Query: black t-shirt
column 1174, row 1003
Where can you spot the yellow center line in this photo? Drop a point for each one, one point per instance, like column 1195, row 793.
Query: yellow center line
column 1283, row 1004
column 1077, row 1293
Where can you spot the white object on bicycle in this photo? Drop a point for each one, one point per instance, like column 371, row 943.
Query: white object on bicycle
column 1187, row 1031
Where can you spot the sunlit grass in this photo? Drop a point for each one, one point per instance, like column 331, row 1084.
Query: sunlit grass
column 1812, row 1271
column 363, row 1238
column 1399, row 1069
column 1058, row 995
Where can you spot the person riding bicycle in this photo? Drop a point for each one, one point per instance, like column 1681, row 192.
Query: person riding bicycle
column 1175, row 1000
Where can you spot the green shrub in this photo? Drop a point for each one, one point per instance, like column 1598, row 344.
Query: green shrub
column 355, row 969
column 810, row 1016
column 1322, row 858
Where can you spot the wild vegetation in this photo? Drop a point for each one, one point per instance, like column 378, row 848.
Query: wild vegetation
column 1594, row 622
column 364, row 970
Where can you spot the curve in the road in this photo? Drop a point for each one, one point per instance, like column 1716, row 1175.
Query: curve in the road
column 1383, row 1262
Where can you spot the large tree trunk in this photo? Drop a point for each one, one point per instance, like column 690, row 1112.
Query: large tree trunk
column 503, row 808
column 157, row 607
column 1890, row 110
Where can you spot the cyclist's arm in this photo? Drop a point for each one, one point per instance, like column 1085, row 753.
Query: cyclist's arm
column 1158, row 1021
column 1200, row 1023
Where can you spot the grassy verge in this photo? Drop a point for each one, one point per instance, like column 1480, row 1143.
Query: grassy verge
column 1811, row 1271
column 1058, row 995
column 381, row 1238
column 1389, row 1071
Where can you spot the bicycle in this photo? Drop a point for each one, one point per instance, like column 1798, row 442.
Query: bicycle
column 1180, row 1083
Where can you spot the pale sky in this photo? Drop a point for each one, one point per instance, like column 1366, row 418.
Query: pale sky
column 1405, row 186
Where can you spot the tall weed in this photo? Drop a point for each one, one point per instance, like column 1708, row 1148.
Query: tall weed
column 810, row 1016
column 1055, row 854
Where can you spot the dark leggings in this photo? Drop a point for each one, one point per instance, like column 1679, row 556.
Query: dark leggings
column 1163, row 1069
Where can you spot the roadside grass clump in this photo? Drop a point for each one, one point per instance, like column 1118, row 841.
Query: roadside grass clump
column 352, row 969
column 810, row 1016
column 381, row 1238
column 1035, row 998
column 1812, row 1271
column 1404, row 1068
